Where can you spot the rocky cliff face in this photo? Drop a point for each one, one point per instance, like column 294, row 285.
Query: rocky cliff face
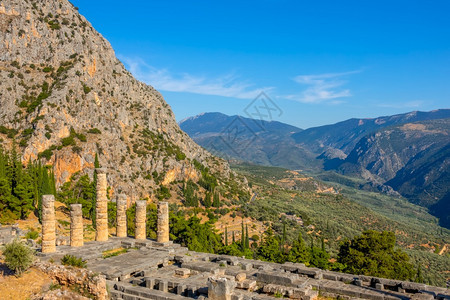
column 64, row 97
column 411, row 159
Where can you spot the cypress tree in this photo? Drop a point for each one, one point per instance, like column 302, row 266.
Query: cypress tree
column 94, row 198
column 242, row 236
column 233, row 239
column 298, row 252
column 216, row 201
column 207, row 202
column 226, row 236
column 247, row 241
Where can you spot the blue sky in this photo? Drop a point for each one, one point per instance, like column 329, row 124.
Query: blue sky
column 320, row 61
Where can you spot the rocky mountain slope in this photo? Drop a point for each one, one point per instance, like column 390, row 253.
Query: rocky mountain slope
column 256, row 141
column 344, row 135
column 65, row 97
column 412, row 159
column 405, row 154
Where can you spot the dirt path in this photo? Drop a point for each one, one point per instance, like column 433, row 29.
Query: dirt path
column 443, row 249
column 13, row 288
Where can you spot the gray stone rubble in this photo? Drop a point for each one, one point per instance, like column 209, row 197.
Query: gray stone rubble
column 151, row 270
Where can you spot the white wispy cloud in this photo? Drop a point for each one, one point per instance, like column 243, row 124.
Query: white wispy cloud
column 228, row 85
column 322, row 87
column 408, row 104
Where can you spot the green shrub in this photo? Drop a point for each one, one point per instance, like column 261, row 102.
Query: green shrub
column 18, row 256
column 67, row 141
column 86, row 89
column 94, row 131
column 32, row 234
column 70, row 260
column 46, row 153
column 47, row 69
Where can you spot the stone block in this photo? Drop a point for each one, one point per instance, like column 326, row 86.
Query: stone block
column 241, row 277
column 220, row 288
column 379, row 286
column 424, row 296
column 150, row 283
column 162, row 286
column 277, row 277
column 181, row 289
column 183, row 272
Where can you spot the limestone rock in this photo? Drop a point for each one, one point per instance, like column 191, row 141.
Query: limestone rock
column 66, row 97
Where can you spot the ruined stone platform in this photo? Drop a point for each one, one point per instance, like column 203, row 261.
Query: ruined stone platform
column 151, row 270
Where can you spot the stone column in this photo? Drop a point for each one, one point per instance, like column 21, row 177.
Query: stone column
column 76, row 226
column 220, row 288
column 141, row 217
column 101, row 208
column 163, row 222
column 48, row 224
column 121, row 229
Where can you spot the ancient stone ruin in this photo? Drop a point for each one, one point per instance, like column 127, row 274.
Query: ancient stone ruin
column 101, row 208
column 48, row 224
column 121, row 216
column 163, row 270
column 163, row 223
column 141, row 217
column 76, row 226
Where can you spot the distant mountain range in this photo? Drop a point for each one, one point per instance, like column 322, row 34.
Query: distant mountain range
column 407, row 154
column 261, row 142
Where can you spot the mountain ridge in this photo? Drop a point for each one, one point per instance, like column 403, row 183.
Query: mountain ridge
column 385, row 153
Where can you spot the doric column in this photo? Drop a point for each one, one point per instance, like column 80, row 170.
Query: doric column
column 163, row 222
column 101, row 208
column 76, row 226
column 48, row 224
column 121, row 229
column 141, row 216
